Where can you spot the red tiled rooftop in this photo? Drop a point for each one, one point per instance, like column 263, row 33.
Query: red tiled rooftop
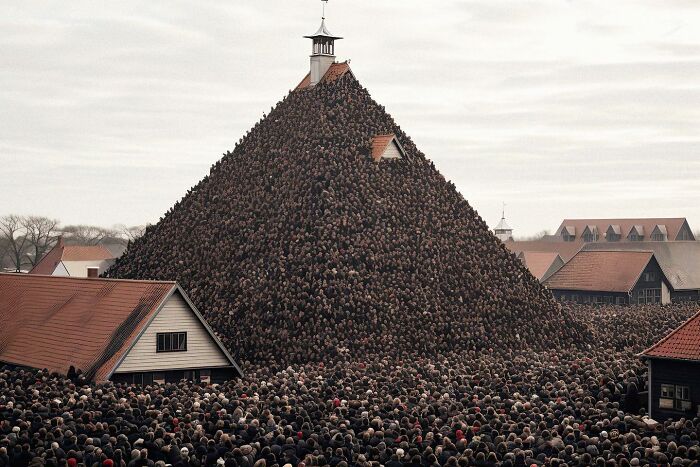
column 336, row 71
column 604, row 271
column 54, row 322
column 62, row 252
column 681, row 344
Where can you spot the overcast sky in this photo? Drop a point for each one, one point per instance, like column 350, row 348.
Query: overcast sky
column 110, row 111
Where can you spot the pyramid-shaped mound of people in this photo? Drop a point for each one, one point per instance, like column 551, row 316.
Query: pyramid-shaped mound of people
column 326, row 236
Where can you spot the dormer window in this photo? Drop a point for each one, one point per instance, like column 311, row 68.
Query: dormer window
column 387, row 147
column 568, row 233
column 636, row 234
column 614, row 233
column 590, row 233
column 660, row 234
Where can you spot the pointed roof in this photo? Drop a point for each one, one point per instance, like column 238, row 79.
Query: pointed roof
column 601, row 271
column 683, row 343
column 62, row 252
column 503, row 225
column 46, row 318
column 323, row 32
column 335, row 72
column 381, row 142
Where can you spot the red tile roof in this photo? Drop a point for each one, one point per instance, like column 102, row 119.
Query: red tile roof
column 601, row 271
column 54, row 322
column 336, row 71
column 681, row 344
column 539, row 262
column 379, row 144
column 62, row 252
column 673, row 226
column 566, row 250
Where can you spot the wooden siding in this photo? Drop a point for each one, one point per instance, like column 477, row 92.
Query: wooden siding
column 392, row 151
column 673, row 372
column 175, row 316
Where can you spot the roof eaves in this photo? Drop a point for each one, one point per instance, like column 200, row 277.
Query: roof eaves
column 209, row 330
column 668, row 336
column 143, row 326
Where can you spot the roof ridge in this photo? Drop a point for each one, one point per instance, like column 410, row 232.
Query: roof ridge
column 91, row 279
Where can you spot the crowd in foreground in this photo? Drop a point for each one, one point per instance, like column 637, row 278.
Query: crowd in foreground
column 559, row 407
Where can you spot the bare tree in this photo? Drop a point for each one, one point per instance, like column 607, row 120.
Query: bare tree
column 538, row 236
column 129, row 234
column 87, row 234
column 13, row 231
column 41, row 233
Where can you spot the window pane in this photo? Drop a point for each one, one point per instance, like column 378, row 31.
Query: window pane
column 161, row 342
column 168, row 342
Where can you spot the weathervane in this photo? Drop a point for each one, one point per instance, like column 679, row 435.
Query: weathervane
column 324, row 8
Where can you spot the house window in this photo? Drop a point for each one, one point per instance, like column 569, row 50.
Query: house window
column 613, row 237
column 634, row 237
column 620, row 300
column 649, row 276
column 159, row 377
column 645, row 296
column 675, row 397
column 92, row 272
column 657, row 237
column 590, row 237
column 574, row 298
column 205, row 376
column 171, row 342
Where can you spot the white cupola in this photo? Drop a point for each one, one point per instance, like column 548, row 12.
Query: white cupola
column 322, row 52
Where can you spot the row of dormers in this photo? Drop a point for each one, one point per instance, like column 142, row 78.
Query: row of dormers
column 631, row 230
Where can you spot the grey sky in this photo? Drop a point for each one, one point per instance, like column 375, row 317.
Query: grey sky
column 111, row 111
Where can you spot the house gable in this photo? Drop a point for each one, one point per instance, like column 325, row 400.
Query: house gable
column 176, row 315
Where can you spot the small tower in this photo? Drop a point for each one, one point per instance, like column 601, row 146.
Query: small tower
column 503, row 230
column 323, row 50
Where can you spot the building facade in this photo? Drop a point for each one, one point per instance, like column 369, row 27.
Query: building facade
column 673, row 366
column 611, row 277
column 625, row 230
column 108, row 329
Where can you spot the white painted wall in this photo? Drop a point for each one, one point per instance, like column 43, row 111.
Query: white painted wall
column 61, row 270
column 79, row 268
column 392, row 151
column 175, row 316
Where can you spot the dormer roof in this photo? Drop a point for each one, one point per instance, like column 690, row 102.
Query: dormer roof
column 387, row 146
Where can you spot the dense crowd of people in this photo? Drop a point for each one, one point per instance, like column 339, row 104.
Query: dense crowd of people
column 298, row 247
column 560, row 407
column 377, row 320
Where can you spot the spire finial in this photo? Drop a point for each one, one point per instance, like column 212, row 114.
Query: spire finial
column 324, row 8
column 503, row 214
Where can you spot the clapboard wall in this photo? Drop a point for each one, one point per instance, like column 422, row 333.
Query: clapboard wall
column 175, row 316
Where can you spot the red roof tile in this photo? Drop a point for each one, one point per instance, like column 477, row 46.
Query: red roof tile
column 379, row 144
column 681, row 344
column 566, row 250
column 336, row 71
column 62, row 252
column 604, row 271
column 539, row 262
column 54, row 322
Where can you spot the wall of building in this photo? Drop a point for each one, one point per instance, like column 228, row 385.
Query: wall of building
column 79, row 268
column 579, row 296
column 685, row 296
column 676, row 373
column 175, row 316
column 213, row 375
column 657, row 283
